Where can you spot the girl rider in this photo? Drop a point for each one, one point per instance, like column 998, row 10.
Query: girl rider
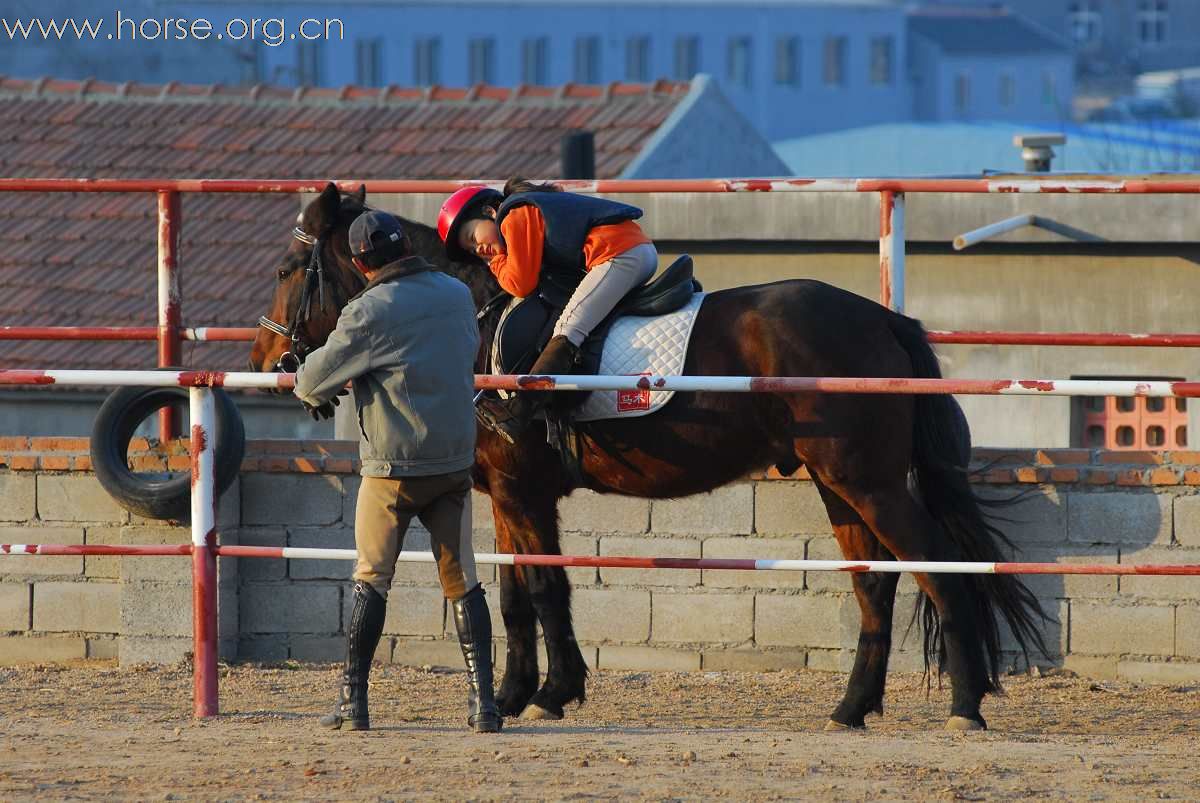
column 534, row 233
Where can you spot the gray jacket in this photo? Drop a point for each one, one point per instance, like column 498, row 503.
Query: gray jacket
column 408, row 341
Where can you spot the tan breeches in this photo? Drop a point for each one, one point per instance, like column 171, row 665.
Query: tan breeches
column 384, row 510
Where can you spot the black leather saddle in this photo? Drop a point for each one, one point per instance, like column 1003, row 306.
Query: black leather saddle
column 529, row 325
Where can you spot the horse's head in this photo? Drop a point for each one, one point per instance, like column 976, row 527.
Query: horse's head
column 300, row 318
column 314, row 280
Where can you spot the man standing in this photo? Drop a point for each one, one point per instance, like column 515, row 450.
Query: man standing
column 408, row 343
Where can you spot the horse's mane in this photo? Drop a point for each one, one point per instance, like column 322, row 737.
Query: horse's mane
column 426, row 243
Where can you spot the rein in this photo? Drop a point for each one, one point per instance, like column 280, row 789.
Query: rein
column 290, row 361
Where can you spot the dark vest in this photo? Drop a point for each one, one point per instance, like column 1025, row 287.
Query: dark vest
column 568, row 217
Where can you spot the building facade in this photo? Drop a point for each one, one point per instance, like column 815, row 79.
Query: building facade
column 1117, row 39
column 987, row 64
column 788, row 67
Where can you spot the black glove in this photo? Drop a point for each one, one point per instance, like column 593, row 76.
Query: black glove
column 324, row 410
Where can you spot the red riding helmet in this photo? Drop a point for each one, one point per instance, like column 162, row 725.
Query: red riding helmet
column 459, row 208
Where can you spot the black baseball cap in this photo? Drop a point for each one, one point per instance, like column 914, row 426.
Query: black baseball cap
column 376, row 231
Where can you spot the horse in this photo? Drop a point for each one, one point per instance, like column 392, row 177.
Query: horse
column 891, row 470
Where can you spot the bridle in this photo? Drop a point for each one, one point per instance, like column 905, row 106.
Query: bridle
column 290, row 361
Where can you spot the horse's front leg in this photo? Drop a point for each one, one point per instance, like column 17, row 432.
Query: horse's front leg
column 520, row 627
column 521, row 663
column 530, row 526
column 566, row 672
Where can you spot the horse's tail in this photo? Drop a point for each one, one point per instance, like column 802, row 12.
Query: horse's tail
column 941, row 454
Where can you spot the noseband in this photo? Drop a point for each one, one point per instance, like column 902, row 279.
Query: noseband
column 290, row 361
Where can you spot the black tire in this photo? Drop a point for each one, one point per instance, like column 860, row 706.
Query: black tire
column 149, row 495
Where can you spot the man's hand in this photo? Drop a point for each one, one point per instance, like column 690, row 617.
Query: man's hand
column 324, row 411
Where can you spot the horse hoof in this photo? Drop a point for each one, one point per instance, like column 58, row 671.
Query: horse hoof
column 963, row 724
column 837, row 727
column 537, row 712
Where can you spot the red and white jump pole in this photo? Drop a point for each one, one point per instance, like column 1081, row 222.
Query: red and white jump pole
column 717, row 384
column 192, row 333
column 744, row 564
column 630, row 562
column 169, row 351
column 204, row 556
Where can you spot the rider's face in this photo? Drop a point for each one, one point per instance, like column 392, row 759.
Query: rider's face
column 481, row 237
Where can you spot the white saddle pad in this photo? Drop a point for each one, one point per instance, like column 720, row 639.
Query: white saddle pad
column 637, row 346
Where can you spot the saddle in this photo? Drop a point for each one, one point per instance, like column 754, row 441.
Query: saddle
column 529, row 323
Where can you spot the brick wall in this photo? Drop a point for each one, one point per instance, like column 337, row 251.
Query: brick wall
column 1079, row 506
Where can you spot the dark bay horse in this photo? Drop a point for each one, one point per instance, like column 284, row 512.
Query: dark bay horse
column 891, row 469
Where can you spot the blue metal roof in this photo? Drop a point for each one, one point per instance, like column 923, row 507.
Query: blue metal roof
column 915, row 149
column 983, row 31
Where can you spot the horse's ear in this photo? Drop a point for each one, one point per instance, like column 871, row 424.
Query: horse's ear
column 328, row 205
column 360, row 195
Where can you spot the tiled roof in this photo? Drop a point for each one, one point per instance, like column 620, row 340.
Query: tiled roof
column 90, row 259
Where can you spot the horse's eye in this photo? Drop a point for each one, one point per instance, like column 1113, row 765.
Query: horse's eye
column 282, row 274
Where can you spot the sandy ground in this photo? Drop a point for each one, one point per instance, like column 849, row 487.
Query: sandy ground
column 91, row 731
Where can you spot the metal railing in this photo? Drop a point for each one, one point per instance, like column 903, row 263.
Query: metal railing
column 205, row 549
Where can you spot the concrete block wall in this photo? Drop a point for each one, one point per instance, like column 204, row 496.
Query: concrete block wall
column 1077, row 506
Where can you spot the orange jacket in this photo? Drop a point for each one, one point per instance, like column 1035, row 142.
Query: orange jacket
column 524, row 232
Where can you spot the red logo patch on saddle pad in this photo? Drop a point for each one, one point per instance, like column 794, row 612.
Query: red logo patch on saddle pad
column 630, row 400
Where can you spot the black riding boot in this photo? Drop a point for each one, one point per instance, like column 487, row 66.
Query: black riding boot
column 366, row 625
column 475, row 635
column 510, row 418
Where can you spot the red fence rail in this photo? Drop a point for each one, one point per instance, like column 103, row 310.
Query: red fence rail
column 170, row 333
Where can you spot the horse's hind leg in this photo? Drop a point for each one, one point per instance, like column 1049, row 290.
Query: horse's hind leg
column 531, row 527
column 876, row 594
column 907, row 531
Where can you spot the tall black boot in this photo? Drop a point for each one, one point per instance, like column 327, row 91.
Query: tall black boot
column 475, row 635
column 509, row 419
column 366, row 625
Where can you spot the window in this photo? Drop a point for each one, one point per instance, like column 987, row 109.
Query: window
column 368, row 62
column 637, row 58
column 738, row 61
column 1125, row 423
column 962, row 93
column 787, row 60
column 587, row 59
column 1049, row 89
column 481, row 61
column 1083, row 21
column 1008, row 91
column 1152, row 21
column 833, row 72
column 308, row 63
column 534, row 58
column 687, row 57
column 426, row 61
column 881, row 59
